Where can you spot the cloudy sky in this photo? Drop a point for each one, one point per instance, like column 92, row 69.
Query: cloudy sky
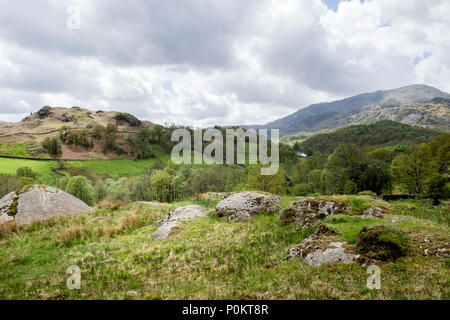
column 204, row 62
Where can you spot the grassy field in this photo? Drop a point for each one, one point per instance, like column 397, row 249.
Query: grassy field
column 210, row 258
column 44, row 168
column 13, row 149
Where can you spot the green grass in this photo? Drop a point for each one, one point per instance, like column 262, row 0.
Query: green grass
column 209, row 258
column 116, row 168
column 424, row 210
column 12, row 149
column 43, row 167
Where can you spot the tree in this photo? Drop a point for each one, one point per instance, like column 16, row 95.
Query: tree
column 52, row 146
column 346, row 156
column 269, row 183
column 376, row 177
column 412, row 168
column 436, row 188
column 161, row 185
column 81, row 188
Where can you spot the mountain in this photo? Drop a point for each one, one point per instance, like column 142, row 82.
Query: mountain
column 24, row 138
column 379, row 134
column 328, row 115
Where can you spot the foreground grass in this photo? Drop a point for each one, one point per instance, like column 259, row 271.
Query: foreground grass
column 206, row 259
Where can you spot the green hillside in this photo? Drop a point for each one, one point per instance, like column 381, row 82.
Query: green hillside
column 383, row 133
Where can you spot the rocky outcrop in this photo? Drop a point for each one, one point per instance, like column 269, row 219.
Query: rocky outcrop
column 307, row 211
column 175, row 217
column 320, row 248
column 38, row 203
column 245, row 205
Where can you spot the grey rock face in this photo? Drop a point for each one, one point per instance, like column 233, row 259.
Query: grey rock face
column 175, row 217
column 38, row 203
column 245, row 205
column 306, row 212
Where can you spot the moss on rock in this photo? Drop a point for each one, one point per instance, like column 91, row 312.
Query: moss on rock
column 381, row 242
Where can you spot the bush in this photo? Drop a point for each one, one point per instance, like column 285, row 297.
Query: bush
column 26, row 172
column 81, row 188
column 302, row 189
column 382, row 243
column 52, row 146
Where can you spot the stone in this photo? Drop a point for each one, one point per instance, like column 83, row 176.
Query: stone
column 307, row 211
column 175, row 217
column 375, row 212
column 320, row 248
column 245, row 205
column 39, row 203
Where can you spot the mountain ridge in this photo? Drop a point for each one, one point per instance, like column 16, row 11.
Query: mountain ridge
column 319, row 116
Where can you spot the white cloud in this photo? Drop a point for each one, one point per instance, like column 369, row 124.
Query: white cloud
column 229, row 62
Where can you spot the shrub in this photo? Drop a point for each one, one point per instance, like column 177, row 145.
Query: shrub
column 81, row 188
column 382, row 243
column 302, row 189
column 26, row 172
column 52, row 146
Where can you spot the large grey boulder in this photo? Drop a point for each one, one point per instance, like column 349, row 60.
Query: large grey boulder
column 175, row 217
column 244, row 205
column 306, row 212
column 38, row 203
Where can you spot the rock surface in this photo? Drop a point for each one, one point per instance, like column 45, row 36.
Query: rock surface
column 245, row 205
column 175, row 217
column 38, row 203
column 214, row 195
column 375, row 212
column 306, row 212
column 321, row 248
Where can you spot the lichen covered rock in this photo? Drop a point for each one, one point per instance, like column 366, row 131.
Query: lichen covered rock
column 38, row 203
column 382, row 243
column 307, row 211
column 322, row 247
column 245, row 205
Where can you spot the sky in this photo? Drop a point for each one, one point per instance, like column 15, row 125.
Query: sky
column 208, row 62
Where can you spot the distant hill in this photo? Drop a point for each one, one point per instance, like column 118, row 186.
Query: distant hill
column 383, row 133
column 24, row 138
column 334, row 114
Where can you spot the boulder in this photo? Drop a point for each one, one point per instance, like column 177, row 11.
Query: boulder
column 245, row 205
column 175, row 217
column 375, row 212
column 307, row 211
column 321, row 248
column 38, row 203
